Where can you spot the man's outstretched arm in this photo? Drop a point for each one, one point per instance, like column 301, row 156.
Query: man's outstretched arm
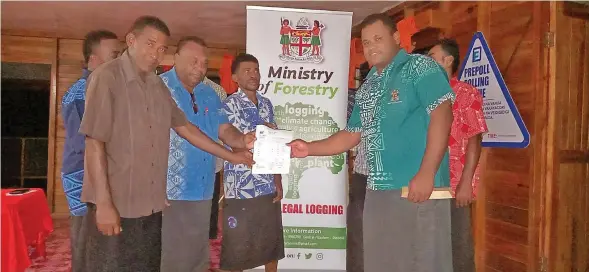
column 335, row 144
column 197, row 138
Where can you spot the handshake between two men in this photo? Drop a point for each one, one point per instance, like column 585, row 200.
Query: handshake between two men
column 420, row 186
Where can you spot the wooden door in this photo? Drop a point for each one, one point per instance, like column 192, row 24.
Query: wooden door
column 566, row 239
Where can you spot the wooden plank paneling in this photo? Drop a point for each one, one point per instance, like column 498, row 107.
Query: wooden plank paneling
column 27, row 49
column 511, row 232
column 551, row 188
column 464, row 23
column 508, row 189
column 564, row 221
column 576, row 65
column 483, row 13
column 541, row 83
column 580, row 229
column 501, row 263
column 51, row 135
column 69, row 71
column 568, row 241
column 503, row 247
column 507, row 214
column 510, row 176
column 488, row 269
column 515, row 28
column 431, row 18
column 585, row 101
column 506, row 230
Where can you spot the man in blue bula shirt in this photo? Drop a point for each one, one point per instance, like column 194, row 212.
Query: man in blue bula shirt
column 99, row 47
column 191, row 171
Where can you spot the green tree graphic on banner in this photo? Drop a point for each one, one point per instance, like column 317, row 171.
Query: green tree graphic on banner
column 307, row 123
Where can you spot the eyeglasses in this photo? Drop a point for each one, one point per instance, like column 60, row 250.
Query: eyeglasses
column 193, row 100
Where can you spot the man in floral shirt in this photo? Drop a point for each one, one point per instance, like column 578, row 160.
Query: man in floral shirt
column 465, row 149
column 252, row 219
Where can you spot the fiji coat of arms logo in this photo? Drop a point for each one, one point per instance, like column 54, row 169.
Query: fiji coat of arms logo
column 395, row 96
column 301, row 43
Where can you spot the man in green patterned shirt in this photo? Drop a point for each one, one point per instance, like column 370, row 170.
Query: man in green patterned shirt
column 402, row 115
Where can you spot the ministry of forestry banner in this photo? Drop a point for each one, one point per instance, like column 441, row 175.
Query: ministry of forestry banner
column 304, row 59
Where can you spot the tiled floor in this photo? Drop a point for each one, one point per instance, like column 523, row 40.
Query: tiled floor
column 58, row 250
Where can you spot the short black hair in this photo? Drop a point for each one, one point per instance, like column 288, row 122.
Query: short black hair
column 450, row 47
column 92, row 39
column 151, row 21
column 186, row 39
column 379, row 17
column 242, row 58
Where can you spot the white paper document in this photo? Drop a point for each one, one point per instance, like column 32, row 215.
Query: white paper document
column 271, row 154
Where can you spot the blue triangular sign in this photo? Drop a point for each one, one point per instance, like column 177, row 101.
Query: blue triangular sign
column 506, row 127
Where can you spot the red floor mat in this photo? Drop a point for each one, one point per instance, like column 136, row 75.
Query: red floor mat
column 58, row 250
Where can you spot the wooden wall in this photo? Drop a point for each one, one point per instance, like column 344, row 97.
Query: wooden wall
column 568, row 236
column 507, row 213
column 27, row 49
column 510, row 174
column 69, row 70
column 533, row 209
column 65, row 56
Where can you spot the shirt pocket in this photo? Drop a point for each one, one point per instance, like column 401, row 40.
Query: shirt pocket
column 395, row 103
column 210, row 123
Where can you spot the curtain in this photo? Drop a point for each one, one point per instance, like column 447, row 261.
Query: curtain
column 356, row 59
column 407, row 28
column 225, row 74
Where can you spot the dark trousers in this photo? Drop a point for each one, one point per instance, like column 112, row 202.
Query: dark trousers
column 78, row 234
column 462, row 239
column 355, row 243
column 137, row 248
column 215, row 208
